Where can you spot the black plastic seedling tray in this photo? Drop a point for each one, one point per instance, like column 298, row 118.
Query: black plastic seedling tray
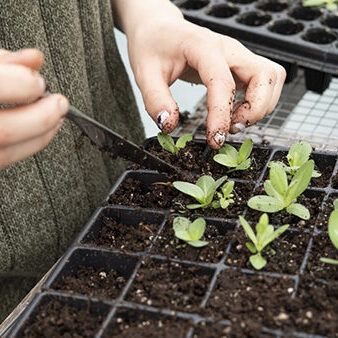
column 279, row 29
column 155, row 286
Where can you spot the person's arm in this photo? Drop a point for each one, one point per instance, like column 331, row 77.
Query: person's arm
column 163, row 47
column 29, row 122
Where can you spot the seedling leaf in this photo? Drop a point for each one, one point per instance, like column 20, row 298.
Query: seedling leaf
column 265, row 203
column 190, row 189
column 196, row 229
column 198, row 244
column 248, row 230
column 333, row 225
column 166, row 142
column 183, row 140
column 225, row 160
column 257, row 261
column 278, row 178
column 251, row 247
column 298, row 210
column 329, row 260
column 245, row 150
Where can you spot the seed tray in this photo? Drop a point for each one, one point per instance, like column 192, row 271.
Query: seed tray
column 153, row 298
column 282, row 30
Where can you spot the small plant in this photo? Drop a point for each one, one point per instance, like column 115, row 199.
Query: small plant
column 225, row 197
column 233, row 158
column 265, row 234
column 203, row 191
column 298, row 154
column 168, row 143
column 333, row 233
column 330, row 5
column 282, row 195
column 190, row 232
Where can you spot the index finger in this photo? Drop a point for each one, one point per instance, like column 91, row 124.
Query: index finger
column 216, row 75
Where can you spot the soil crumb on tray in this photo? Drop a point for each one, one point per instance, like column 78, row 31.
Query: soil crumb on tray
column 93, row 282
column 56, row 319
column 123, row 237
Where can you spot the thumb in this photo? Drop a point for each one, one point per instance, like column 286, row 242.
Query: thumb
column 158, row 100
column 31, row 58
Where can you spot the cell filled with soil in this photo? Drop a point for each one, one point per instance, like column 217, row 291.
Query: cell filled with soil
column 272, row 5
column 218, row 234
column 319, row 36
column 331, row 21
column 315, row 308
column 284, row 255
column 322, row 247
column 311, row 199
column 223, row 11
column 254, row 18
column 97, row 274
column 322, row 221
column 324, row 164
column 334, row 182
column 250, row 300
column 63, row 317
column 194, row 4
column 124, row 229
column 170, row 285
column 286, row 27
column 305, row 13
column 142, row 324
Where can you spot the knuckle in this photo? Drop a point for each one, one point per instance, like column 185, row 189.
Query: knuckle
column 281, row 72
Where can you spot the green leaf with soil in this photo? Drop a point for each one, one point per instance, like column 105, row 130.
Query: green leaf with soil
column 190, row 189
column 329, row 261
column 196, row 229
column 257, row 261
column 245, row 150
column 278, row 178
column 248, row 230
column 167, row 142
column 183, row 140
column 298, row 210
column 333, row 225
column 198, row 244
column 265, row 203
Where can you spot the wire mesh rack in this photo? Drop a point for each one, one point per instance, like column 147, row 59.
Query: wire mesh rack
column 300, row 114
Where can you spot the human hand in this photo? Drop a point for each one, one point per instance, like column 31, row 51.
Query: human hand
column 163, row 50
column 30, row 125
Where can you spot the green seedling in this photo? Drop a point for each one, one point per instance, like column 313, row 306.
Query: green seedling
column 168, row 143
column 235, row 159
column 298, row 154
column 333, row 233
column 330, row 5
column 190, row 232
column 283, row 195
column 225, row 196
column 265, row 234
column 203, row 191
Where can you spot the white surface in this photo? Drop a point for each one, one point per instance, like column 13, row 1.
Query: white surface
column 184, row 93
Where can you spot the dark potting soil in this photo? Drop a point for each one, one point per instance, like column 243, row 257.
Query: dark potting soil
column 310, row 199
column 284, row 255
column 124, row 237
column 323, row 164
column 165, row 196
column 56, row 319
column 334, row 182
column 314, row 310
column 169, row 285
column 131, row 323
column 250, row 301
column 322, row 247
column 218, row 237
column 93, row 282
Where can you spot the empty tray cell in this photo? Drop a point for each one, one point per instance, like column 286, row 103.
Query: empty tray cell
column 93, row 273
column 171, row 285
column 145, row 189
column 285, row 254
column 272, row 5
column 305, row 13
column 319, row 36
column 254, row 18
column 194, row 4
column 56, row 316
column 322, row 247
column 124, row 229
column 223, row 11
column 250, row 299
column 144, row 324
column 331, row 21
column 315, row 310
column 286, row 27
column 323, row 164
column 218, row 234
